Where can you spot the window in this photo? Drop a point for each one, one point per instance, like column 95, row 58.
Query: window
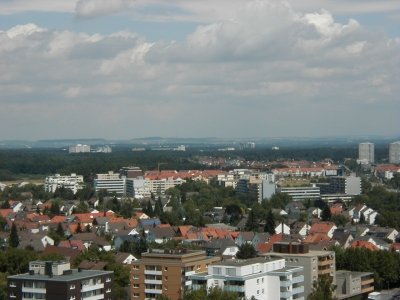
column 13, row 284
column 135, row 276
column 231, row 271
column 72, row 287
column 135, row 267
column 135, row 295
column 135, row 286
column 217, row 271
column 108, row 279
column 165, row 268
column 258, row 282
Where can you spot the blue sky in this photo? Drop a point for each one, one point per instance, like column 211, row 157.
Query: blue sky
column 124, row 68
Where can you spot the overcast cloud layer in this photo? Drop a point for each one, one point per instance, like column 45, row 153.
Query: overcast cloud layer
column 250, row 68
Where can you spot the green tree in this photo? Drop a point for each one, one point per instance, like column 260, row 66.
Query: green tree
column 149, row 209
column 252, row 223
column 13, row 239
column 158, row 209
column 212, row 294
column 326, row 214
column 322, row 289
column 270, row 223
column 246, row 251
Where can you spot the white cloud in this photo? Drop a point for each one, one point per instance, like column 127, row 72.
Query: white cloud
column 93, row 8
column 266, row 67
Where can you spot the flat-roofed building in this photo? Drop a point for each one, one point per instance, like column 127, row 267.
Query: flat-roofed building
column 166, row 272
column 111, row 182
column 394, row 153
column 72, row 182
column 366, row 153
column 350, row 284
column 262, row 278
column 301, row 192
column 314, row 263
column 57, row 281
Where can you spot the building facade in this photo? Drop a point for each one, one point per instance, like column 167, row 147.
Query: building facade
column 394, row 153
column 301, row 193
column 166, row 272
column 111, row 182
column 366, row 153
column 350, row 284
column 57, row 281
column 72, row 182
column 346, row 185
column 314, row 263
column 262, row 278
column 79, row 149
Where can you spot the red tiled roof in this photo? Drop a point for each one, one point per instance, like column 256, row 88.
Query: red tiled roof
column 316, row 238
column 5, row 212
column 364, row 244
column 321, row 227
column 267, row 247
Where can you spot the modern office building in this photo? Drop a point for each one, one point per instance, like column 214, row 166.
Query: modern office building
column 345, row 185
column 111, row 182
column 314, row 263
column 394, row 153
column 166, row 272
column 137, row 188
column 263, row 278
column 72, row 182
column 301, row 193
column 57, row 281
column 366, row 153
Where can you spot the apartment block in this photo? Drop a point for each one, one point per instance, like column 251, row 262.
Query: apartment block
column 72, row 182
column 350, row 284
column 263, row 278
column 394, row 153
column 57, row 281
column 314, row 263
column 366, row 153
column 166, row 272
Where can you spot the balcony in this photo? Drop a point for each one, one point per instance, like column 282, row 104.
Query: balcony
column 188, row 273
column 152, row 272
column 325, row 262
column 298, row 279
column 286, row 283
column 286, row 294
column 92, row 287
column 151, row 281
column 153, row 291
column 34, row 290
column 94, row 297
column 234, row 288
column 298, row 290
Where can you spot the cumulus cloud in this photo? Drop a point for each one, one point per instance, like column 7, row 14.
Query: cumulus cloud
column 93, row 8
column 276, row 69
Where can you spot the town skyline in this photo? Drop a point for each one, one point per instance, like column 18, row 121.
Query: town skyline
column 260, row 68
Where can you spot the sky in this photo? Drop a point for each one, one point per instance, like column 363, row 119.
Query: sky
column 121, row 69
